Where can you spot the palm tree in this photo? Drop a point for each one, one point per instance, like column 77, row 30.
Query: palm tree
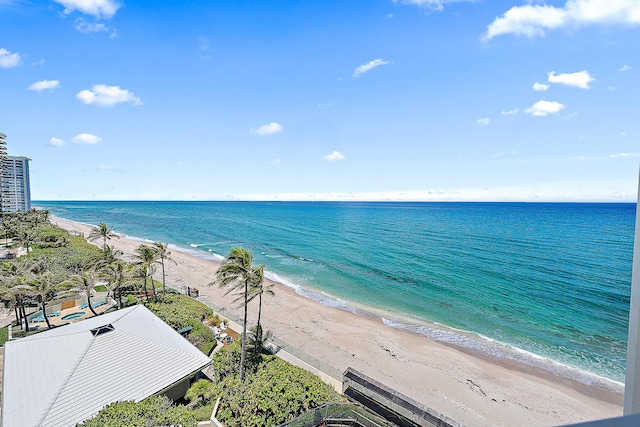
column 15, row 275
column 84, row 283
column 163, row 254
column 257, row 338
column 237, row 272
column 140, row 271
column 44, row 287
column 8, row 294
column 104, row 232
column 117, row 277
column 108, row 256
column 146, row 257
column 26, row 236
column 257, row 290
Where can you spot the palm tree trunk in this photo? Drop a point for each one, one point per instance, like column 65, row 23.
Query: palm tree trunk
column 258, row 345
column 44, row 313
column 24, row 316
column 164, row 287
column 90, row 305
column 244, row 329
column 15, row 309
column 146, row 294
column 153, row 289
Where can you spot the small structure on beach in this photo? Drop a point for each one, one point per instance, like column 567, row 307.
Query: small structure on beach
column 65, row 375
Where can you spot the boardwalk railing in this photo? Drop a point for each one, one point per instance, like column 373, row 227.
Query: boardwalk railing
column 337, row 414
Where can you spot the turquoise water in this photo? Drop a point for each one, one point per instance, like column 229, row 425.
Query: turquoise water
column 74, row 316
column 547, row 284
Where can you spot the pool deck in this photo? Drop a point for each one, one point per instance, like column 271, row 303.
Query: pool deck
column 57, row 320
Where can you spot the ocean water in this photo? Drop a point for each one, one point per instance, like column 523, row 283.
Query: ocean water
column 547, row 284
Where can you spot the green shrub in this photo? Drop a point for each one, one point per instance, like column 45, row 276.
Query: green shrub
column 200, row 334
column 129, row 300
column 208, row 347
column 154, row 411
column 273, row 392
column 4, row 335
column 179, row 311
column 204, row 410
column 51, row 236
column 213, row 320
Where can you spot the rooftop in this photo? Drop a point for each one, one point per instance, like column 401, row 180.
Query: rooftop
column 67, row 374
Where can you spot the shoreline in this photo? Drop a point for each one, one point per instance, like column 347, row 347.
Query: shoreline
column 467, row 386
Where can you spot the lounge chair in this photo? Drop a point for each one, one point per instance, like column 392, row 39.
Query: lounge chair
column 229, row 340
column 85, row 305
column 223, row 327
column 53, row 314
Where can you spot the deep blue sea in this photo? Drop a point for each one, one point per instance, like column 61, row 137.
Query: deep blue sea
column 543, row 283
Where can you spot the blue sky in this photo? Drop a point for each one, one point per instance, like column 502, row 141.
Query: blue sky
column 325, row 100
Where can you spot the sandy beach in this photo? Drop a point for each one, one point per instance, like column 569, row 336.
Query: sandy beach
column 467, row 388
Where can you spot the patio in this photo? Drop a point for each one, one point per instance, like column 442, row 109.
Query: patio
column 66, row 316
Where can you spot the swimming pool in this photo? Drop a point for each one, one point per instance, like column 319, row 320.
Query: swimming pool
column 73, row 316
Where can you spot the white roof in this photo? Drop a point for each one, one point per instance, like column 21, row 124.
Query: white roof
column 65, row 375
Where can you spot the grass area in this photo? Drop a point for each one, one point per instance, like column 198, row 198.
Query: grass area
column 4, row 335
column 100, row 288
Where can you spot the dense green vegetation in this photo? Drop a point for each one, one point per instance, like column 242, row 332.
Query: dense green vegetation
column 155, row 411
column 180, row 311
column 256, row 389
column 272, row 392
column 4, row 335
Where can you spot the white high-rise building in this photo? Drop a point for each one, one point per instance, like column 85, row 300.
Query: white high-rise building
column 16, row 187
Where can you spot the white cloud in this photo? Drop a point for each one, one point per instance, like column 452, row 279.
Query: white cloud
column 268, row 129
column 364, row 68
column 484, row 121
column 554, row 191
column 533, row 20
column 431, row 4
column 623, row 155
column 96, row 8
column 103, row 168
column 544, row 108
column 579, row 79
column 56, row 142
column 107, row 95
column 540, row 87
column 45, row 85
column 8, row 59
column 86, row 138
column 90, row 27
column 336, row 155
column 510, row 112
column 626, row 68
column 623, row 134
